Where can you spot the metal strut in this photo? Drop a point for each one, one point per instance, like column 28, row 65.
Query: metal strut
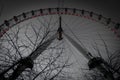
column 93, row 62
column 28, row 61
column 84, row 52
column 60, row 30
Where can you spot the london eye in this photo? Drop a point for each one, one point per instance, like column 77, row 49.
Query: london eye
column 59, row 44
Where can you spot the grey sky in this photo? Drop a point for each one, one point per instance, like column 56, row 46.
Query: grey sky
column 109, row 8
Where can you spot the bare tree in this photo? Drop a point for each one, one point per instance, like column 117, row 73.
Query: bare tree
column 112, row 63
column 22, row 59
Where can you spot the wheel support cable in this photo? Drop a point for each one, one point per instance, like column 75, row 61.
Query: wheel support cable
column 93, row 62
column 28, row 61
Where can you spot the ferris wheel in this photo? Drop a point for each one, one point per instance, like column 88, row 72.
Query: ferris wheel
column 34, row 42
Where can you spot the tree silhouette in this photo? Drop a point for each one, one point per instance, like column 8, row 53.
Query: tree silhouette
column 26, row 54
column 112, row 63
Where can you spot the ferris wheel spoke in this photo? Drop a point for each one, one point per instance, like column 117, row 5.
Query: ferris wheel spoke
column 39, row 36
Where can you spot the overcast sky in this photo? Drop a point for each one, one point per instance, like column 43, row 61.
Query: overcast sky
column 109, row 8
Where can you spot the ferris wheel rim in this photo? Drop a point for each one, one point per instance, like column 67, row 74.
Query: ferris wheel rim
column 59, row 11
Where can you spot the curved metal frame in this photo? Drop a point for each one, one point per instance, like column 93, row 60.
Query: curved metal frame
column 62, row 11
